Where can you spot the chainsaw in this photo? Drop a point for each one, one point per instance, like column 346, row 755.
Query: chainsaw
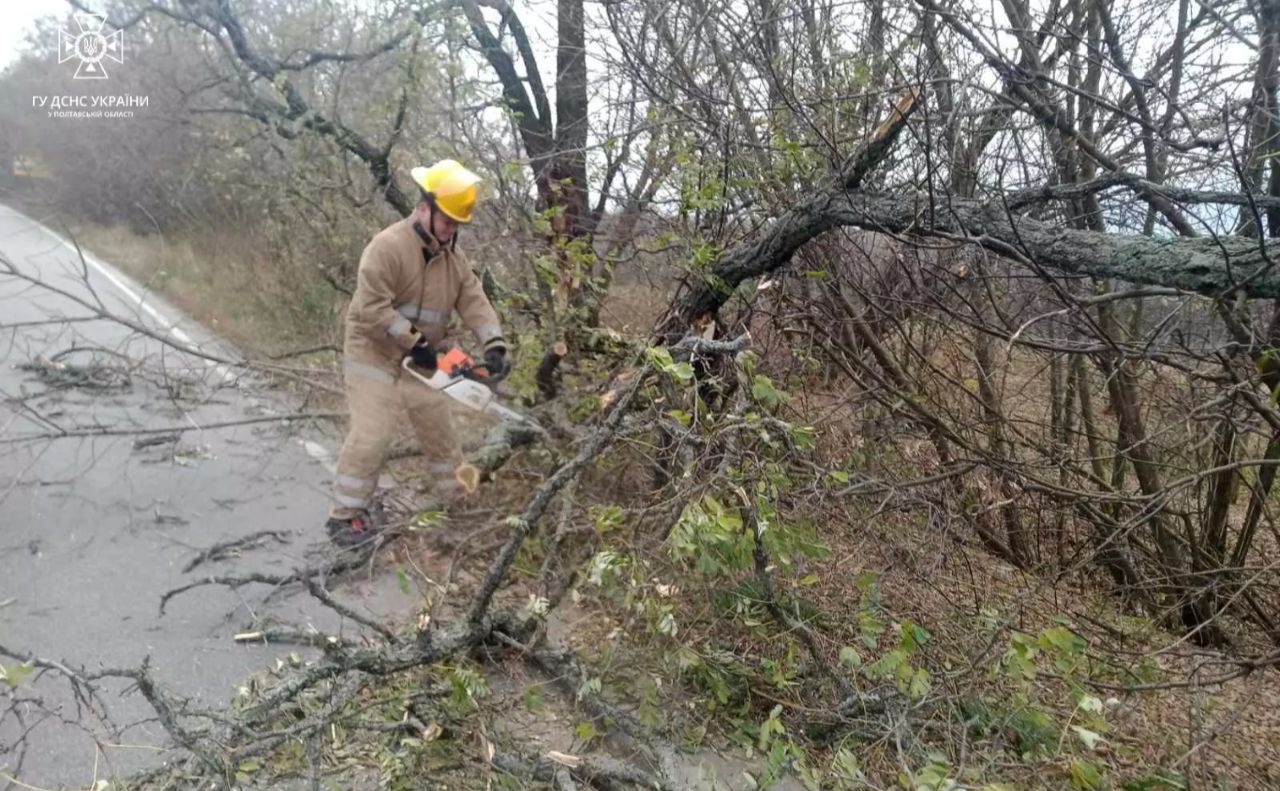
column 464, row 380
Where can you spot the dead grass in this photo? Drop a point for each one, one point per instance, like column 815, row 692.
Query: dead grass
column 227, row 282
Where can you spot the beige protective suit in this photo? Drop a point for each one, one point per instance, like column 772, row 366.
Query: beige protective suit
column 407, row 287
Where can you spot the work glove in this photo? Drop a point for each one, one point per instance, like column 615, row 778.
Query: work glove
column 424, row 355
column 495, row 359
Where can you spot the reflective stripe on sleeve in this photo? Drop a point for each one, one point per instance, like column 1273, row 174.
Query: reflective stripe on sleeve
column 400, row 326
column 420, row 314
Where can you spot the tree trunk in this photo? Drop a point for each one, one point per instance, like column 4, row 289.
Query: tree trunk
column 998, row 446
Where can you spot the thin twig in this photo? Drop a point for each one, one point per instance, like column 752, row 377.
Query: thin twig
column 222, row 550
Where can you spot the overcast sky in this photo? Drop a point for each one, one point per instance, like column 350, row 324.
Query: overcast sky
column 15, row 23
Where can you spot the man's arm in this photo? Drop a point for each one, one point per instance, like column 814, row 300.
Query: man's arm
column 373, row 309
column 477, row 312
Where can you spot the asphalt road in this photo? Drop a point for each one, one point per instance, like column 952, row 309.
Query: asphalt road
column 93, row 530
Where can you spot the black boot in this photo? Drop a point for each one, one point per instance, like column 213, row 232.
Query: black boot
column 350, row 532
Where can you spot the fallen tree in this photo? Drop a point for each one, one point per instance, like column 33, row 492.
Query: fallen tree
column 1212, row 266
column 1017, row 228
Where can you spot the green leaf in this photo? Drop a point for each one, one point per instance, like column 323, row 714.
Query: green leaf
column 886, row 665
column 919, row 684
column 14, row 674
column 667, row 625
column 585, row 731
column 402, row 579
column 845, row 765
column 870, row 625
column 427, row 520
column 850, row 658
column 607, row 517
column 866, row 582
column 935, row 775
column 531, row 699
column 912, row 635
column 660, row 356
column 1088, row 737
column 1090, row 704
column 770, row 728
column 468, row 686
column 919, row 634
column 804, row 437
column 661, row 359
column 1085, row 774
column 687, row 658
column 762, row 390
column 681, row 416
column 589, row 687
column 1062, row 639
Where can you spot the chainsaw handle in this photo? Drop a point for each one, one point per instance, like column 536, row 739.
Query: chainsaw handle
column 454, row 361
column 467, row 370
column 470, row 372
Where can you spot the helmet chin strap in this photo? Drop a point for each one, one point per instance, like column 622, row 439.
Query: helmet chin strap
column 428, row 234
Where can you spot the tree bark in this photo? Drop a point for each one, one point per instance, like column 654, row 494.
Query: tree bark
column 1212, row 267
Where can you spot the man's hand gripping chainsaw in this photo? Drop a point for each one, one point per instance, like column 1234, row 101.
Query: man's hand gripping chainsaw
column 464, row 380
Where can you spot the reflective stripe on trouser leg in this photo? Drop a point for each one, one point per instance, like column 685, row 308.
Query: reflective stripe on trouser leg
column 447, row 488
column 444, row 479
column 351, row 492
column 374, row 410
column 429, row 415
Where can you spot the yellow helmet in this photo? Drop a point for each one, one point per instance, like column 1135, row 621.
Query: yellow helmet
column 450, row 185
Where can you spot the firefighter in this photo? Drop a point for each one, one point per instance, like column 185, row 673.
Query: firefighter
column 411, row 280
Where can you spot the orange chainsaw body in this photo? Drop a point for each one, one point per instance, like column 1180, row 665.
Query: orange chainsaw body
column 458, row 376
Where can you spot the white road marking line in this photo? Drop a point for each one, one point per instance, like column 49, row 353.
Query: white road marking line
column 170, row 327
column 313, row 449
column 321, row 454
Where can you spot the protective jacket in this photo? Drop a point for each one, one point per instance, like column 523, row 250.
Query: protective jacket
column 408, row 286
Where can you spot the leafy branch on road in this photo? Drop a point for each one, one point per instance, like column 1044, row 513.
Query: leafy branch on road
column 228, row 741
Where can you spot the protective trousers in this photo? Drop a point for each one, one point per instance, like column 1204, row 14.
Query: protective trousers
column 380, row 404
